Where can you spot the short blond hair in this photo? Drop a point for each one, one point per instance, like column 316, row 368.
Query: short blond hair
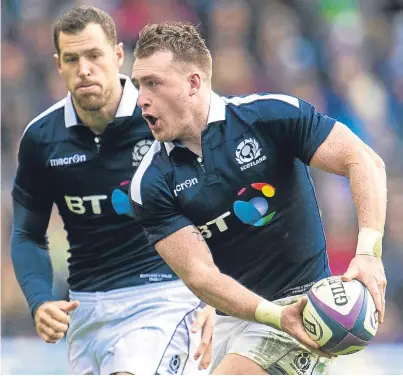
column 181, row 38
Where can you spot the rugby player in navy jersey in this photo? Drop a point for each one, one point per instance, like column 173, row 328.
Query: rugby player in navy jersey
column 230, row 175
column 128, row 312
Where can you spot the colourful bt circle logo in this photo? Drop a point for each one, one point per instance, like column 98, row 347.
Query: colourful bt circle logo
column 252, row 210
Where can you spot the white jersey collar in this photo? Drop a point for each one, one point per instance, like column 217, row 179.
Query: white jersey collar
column 216, row 113
column 126, row 107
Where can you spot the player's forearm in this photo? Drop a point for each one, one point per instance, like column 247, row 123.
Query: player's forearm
column 189, row 256
column 31, row 261
column 367, row 175
column 224, row 293
column 228, row 296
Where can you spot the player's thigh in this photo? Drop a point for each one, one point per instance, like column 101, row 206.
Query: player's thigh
column 277, row 352
column 273, row 350
column 234, row 364
column 226, row 330
column 135, row 352
column 178, row 356
column 81, row 355
column 155, row 346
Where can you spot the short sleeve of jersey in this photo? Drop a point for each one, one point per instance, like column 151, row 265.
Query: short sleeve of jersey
column 154, row 205
column 32, row 186
column 294, row 124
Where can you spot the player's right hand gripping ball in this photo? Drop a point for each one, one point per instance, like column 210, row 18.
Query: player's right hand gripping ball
column 340, row 316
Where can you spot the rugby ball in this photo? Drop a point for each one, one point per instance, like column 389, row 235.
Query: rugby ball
column 340, row 316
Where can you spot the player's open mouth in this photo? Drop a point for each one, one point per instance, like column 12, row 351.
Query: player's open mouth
column 151, row 120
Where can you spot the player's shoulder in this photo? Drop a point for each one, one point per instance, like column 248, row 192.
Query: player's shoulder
column 273, row 99
column 266, row 105
column 42, row 126
column 152, row 170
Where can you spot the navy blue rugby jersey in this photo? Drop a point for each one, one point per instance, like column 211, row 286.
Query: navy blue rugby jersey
column 251, row 195
column 62, row 161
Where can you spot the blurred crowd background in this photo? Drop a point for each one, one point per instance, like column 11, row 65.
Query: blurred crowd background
column 343, row 56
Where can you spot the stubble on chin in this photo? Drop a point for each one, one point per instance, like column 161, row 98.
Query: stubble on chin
column 90, row 102
column 158, row 136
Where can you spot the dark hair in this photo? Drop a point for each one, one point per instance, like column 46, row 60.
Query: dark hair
column 181, row 38
column 77, row 19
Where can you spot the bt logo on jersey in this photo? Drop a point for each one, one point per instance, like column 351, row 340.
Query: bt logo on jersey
column 92, row 204
column 76, row 204
column 250, row 211
column 121, row 201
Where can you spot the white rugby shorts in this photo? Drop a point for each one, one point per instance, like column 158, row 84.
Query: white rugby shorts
column 141, row 330
column 274, row 350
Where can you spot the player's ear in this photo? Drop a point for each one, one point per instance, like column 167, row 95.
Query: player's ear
column 58, row 65
column 120, row 54
column 195, row 83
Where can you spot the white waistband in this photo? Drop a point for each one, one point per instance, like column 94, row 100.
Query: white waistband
column 134, row 291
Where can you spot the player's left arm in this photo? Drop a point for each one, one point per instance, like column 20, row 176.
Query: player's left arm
column 343, row 153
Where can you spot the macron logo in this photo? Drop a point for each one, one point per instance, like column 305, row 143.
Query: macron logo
column 76, row 158
column 186, row 184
